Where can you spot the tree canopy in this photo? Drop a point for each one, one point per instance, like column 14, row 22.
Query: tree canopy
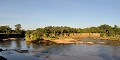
column 53, row 31
column 18, row 28
column 104, row 29
column 8, row 30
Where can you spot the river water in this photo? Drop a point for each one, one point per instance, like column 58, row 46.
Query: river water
column 109, row 51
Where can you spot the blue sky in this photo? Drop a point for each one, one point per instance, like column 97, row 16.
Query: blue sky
column 32, row 14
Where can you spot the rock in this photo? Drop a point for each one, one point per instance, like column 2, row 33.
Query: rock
column 2, row 58
column 1, row 50
column 22, row 51
column 1, row 40
column 45, row 51
column 90, row 43
column 15, row 50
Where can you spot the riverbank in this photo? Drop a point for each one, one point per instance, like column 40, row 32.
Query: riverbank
column 75, row 38
column 116, row 38
column 77, row 41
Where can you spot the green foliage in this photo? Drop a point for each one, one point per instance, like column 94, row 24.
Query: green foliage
column 53, row 31
column 5, row 29
column 105, row 27
column 27, row 37
column 18, row 28
column 102, row 34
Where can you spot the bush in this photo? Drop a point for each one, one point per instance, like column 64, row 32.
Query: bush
column 102, row 34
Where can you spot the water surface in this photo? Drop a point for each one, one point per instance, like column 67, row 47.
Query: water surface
column 111, row 51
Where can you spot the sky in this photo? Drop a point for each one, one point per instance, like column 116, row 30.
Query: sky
column 32, row 14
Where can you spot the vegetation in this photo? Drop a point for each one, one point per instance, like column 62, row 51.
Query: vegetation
column 18, row 28
column 55, row 31
column 7, row 30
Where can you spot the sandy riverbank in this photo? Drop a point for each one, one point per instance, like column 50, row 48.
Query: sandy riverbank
column 75, row 41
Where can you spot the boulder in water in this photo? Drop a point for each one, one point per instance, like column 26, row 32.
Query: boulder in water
column 1, row 40
column 22, row 51
column 45, row 51
column 2, row 58
column 1, row 50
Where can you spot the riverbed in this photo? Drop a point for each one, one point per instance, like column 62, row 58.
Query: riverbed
column 110, row 51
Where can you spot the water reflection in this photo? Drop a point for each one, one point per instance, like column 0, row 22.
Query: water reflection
column 18, row 44
column 35, row 46
column 69, row 51
column 28, row 44
column 6, row 44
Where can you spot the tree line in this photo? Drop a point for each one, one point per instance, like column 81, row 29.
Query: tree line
column 8, row 30
column 104, row 30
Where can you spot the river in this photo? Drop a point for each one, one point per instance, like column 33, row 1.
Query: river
column 109, row 51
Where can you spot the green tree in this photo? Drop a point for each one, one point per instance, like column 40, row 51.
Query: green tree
column 18, row 28
column 5, row 29
column 105, row 27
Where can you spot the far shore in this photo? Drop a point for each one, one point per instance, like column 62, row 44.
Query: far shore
column 77, row 41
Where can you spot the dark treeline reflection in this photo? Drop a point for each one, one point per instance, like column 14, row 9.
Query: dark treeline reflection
column 37, row 45
column 18, row 44
column 21, row 44
column 5, row 44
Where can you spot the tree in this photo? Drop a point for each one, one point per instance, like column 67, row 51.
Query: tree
column 5, row 29
column 40, row 32
column 115, row 26
column 18, row 28
column 105, row 26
